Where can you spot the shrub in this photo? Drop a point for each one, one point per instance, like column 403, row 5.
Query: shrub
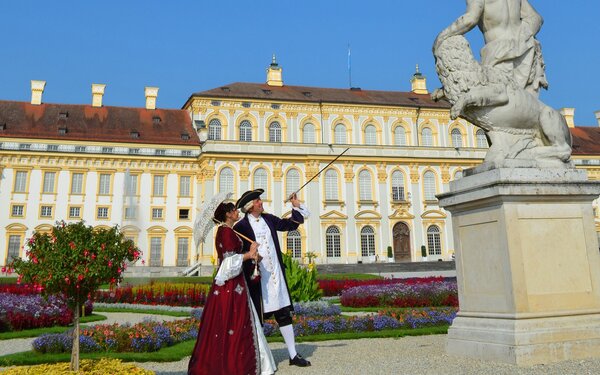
column 87, row 367
column 302, row 282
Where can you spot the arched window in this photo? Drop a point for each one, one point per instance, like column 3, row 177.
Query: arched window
column 367, row 241
column 332, row 242
column 457, row 140
column 340, row 134
column 434, row 243
column 214, row 129
column 429, row 185
column 292, row 182
column 274, row 132
column 398, row 186
column 260, row 179
column 481, row 139
column 400, row 136
column 426, row 137
column 226, row 180
column 331, row 185
column 364, row 186
column 308, row 133
column 245, row 131
column 370, row 135
column 294, row 244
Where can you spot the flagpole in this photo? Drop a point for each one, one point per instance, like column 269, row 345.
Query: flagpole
column 349, row 67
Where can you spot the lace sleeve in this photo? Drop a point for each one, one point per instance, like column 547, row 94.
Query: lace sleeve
column 231, row 266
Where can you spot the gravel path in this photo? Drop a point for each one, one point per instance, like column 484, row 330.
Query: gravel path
column 409, row 355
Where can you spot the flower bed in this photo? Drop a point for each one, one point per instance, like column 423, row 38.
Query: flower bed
column 157, row 294
column 21, row 289
column 19, row 312
column 336, row 287
column 86, row 366
column 443, row 293
column 317, row 308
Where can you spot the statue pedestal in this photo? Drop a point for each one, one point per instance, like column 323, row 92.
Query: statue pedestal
column 528, row 265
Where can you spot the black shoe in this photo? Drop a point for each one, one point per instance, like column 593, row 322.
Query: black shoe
column 299, row 361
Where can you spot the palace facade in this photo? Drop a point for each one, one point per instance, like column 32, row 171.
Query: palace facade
column 149, row 169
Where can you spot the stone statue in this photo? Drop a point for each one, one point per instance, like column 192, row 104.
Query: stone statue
column 500, row 94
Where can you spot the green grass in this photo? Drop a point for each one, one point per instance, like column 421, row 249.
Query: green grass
column 8, row 280
column 184, row 349
column 347, row 276
column 143, row 311
column 41, row 331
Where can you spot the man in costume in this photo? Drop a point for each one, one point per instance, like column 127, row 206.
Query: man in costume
column 270, row 293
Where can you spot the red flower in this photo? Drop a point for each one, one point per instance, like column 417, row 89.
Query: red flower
column 79, row 277
column 72, row 245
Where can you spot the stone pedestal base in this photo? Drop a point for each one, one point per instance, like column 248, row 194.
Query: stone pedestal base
column 527, row 264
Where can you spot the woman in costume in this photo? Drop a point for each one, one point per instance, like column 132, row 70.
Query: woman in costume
column 230, row 339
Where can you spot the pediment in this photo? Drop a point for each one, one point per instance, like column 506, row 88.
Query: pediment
column 434, row 214
column 401, row 214
column 333, row 215
column 367, row 214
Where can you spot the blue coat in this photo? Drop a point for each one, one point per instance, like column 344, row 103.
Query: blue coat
column 275, row 224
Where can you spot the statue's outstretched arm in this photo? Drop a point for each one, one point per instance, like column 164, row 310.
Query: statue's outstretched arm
column 531, row 20
column 464, row 23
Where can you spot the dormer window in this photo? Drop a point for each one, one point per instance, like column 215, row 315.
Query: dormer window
column 107, row 150
column 185, row 136
column 62, row 130
column 215, row 103
column 134, row 134
column 25, row 146
column 225, row 89
column 267, row 92
column 63, row 115
column 2, row 126
column 156, row 120
column 308, row 94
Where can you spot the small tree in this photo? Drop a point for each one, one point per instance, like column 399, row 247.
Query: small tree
column 390, row 254
column 423, row 251
column 75, row 259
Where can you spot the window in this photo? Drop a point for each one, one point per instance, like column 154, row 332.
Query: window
column 215, row 103
column 184, row 186
column 214, row 129
column 331, row 185
column 294, row 244
column 134, row 151
column 481, row 139
column 332, row 242
column 20, row 182
column 367, row 241
column 158, row 187
column 308, row 133
column 160, row 152
column 434, row 245
column 46, row 211
column 102, row 213
column 25, row 146
column 18, row 210
column 49, row 182
column 400, row 136
column 155, row 251
column 245, row 131
column 52, row 147
column 107, row 150
column 426, row 137
column 429, row 186
column 134, row 134
column 292, row 182
column 184, row 214
column 182, row 251
column 339, row 134
column 274, row 132
column 14, row 245
column 457, row 140
column 104, row 184
column 226, row 180
column 77, row 183
column 397, row 186
column 130, row 213
column 79, row 148
column 185, row 136
column 364, row 186
column 74, row 212
column 246, row 104
column 370, row 135
column 186, row 153
column 260, row 179
column 157, row 214
column 131, row 184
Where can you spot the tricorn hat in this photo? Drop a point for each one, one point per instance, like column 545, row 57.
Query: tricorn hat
column 248, row 196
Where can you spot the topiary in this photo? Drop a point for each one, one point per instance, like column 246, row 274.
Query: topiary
column 301, row 281
column 390, row 253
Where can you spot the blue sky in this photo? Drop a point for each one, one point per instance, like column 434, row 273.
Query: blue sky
column 185, row 46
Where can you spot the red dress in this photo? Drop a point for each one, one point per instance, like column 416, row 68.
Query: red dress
column 228, row 341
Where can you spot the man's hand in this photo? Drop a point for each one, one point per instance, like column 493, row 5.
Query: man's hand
column 294, row 200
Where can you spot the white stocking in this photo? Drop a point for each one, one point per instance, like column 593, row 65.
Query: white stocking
column 288, row 336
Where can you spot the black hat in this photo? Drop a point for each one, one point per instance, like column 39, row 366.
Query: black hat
column 248, row 196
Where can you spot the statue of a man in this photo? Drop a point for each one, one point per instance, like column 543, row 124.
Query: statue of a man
column 509, row 28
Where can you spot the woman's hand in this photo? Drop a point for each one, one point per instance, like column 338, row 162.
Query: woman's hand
column 252, row 252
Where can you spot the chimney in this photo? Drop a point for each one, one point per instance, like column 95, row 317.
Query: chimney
column 597, row 113
column 97, row 94
column 151, row 94
column 274, row 74
column 37, row 89
column 418, row 83
column 569, row 115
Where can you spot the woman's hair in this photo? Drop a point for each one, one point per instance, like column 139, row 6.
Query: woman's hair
column 221, row 210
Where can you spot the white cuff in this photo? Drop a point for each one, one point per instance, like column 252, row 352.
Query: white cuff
column 230, row 268
column 303, row 210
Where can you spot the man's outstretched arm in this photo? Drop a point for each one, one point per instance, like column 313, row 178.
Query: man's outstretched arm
column 532, row 21
column 464, row 23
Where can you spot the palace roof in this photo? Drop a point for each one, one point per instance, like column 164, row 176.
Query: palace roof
column 258, row 91
column 74, row 122
column 586, row 140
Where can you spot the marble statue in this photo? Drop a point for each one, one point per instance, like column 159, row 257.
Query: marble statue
column 500, row 94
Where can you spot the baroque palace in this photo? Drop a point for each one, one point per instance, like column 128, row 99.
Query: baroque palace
column 149, row 169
